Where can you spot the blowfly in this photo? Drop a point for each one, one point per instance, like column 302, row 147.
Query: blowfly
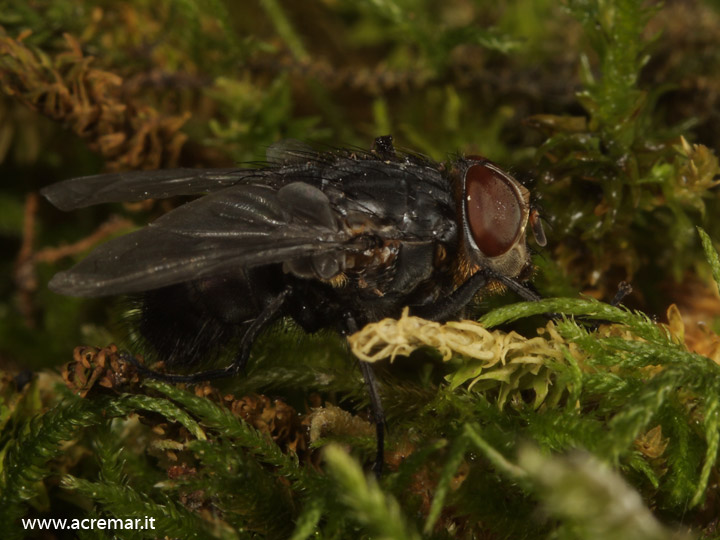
column 334, row 239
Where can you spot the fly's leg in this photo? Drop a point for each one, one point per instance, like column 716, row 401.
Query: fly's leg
column 269, row 313
column 375, row 404
column 378, row 416
column 460, row 297
column 450, row 305
column 384, row 147
column 624, row 288
column 515, row 286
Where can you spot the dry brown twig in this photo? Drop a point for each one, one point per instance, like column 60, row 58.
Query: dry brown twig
column 25, row 273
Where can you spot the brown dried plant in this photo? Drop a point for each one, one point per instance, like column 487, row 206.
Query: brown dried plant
column 90, row 102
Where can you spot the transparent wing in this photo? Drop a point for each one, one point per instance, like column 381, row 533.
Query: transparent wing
column 241, row 226
column 135, row 186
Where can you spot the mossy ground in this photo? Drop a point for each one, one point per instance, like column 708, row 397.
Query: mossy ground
column 606, row 109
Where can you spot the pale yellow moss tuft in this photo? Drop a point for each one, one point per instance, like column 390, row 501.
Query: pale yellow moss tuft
column 389, row 338
column 507, row 361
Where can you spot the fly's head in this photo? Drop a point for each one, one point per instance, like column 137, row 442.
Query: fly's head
column 495, row 212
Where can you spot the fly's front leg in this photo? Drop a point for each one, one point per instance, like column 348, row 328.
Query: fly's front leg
column 269, row 313
column 460, row 297
column 375, row 403
column 514, row 285
column 451, row 304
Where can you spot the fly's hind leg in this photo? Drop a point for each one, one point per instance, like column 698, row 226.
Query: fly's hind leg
column 375, row 403
column 268, row 314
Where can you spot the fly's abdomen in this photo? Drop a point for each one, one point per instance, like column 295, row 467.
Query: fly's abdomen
column 194, row 320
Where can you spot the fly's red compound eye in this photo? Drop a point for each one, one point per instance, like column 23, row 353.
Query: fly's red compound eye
column 495, row 211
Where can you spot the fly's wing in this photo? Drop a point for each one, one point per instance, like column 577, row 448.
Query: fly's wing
column 241, row 226
column 135, row 186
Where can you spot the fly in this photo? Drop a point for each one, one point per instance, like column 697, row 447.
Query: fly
column 331, row 239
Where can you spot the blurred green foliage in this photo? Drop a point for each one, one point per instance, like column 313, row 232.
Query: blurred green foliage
column 607, row 109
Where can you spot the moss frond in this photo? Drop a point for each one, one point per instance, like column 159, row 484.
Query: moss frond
column 121, row 501
column 375, row 510
column 592, row 501
column 27, row 458
column 223, row 421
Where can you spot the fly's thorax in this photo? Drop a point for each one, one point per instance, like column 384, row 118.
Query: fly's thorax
column 494, row 209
